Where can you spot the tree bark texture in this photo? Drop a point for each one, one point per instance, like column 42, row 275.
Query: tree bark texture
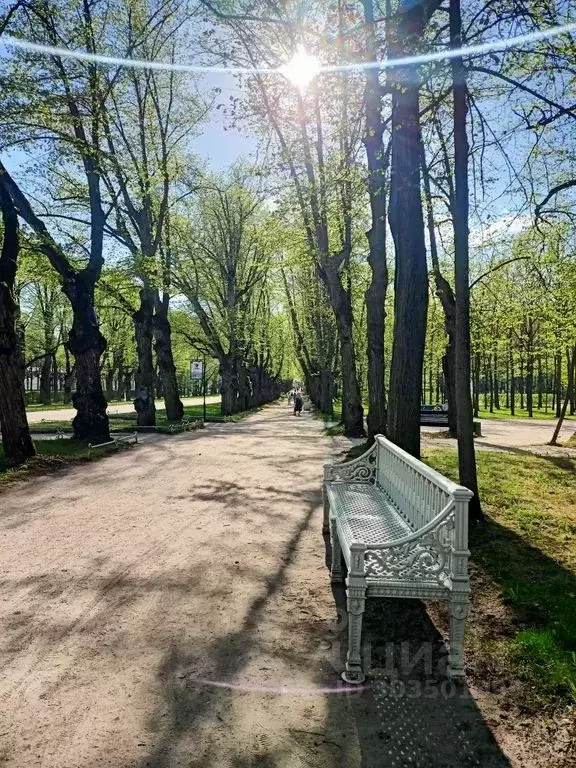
column 85, row 341
column 411, row 275
column 375, row 296
column 16, row 440
column 166, row 367
column 86, row 344
column 352, row 411
column 466, row 453
column 447, row 300
column 145, row 374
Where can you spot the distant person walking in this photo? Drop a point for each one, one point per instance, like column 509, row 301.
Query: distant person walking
column 298, row 403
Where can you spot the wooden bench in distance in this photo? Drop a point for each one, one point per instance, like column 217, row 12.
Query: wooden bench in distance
column 401, row 529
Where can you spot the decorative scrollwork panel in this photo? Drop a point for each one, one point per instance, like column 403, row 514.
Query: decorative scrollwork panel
column 426, row 559
column 361, row 471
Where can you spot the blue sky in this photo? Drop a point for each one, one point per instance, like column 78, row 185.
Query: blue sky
column 218, row 147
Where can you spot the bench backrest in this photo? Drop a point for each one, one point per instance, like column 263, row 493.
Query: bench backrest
column 419, row 492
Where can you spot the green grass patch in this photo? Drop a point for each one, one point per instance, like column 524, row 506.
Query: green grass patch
column 123, row 422
column 52, row 455
column 63, row 406
column 525, row 556
column 521, row 413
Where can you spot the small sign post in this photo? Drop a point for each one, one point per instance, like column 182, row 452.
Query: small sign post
column 198, row 373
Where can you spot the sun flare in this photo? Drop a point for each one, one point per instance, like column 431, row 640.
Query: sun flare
column 301, row 69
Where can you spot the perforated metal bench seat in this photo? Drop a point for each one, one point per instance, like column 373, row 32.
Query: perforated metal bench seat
column 365, row 513
column 402, row 530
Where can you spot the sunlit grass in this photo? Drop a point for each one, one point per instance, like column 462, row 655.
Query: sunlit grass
column 525, row 555
column 127, row 421
column 521, row 413
column 51, row 455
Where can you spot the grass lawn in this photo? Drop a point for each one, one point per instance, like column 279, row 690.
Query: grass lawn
column 521, row 632
column 523, row 623
column 63, row 406
column 127, row 421
column 521, row 413
column 52, row 455
column 503, row 413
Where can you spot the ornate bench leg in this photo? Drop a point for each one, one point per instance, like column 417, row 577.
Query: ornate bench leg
column 326, row 520
column 458, row 613
column 356, row 599
column 336, row 572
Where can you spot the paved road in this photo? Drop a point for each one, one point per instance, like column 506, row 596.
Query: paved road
column 66, row 414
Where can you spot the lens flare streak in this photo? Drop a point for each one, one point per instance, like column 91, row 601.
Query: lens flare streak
column 492, row 46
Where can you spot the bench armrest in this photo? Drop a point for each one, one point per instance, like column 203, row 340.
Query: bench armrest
column 360, row 470
column 428, row 555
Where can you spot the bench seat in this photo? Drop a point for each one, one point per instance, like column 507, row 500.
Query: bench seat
column 401, row 530
column 366, row 513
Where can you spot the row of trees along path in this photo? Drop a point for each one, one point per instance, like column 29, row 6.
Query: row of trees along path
column 269, row 264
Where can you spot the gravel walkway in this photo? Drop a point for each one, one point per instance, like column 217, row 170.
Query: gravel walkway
column 514, row 436
column 170, row 606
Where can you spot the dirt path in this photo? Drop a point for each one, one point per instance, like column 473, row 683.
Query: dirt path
column 515, row 435
column 170, row 606
column 65, row 414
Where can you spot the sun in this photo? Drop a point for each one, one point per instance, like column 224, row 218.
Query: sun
column 301, row 69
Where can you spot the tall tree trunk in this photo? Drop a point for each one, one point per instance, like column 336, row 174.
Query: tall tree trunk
column 145, row 374
column 570, row 369
column 446, row 295
column 228, row 387
column 546, row 383
column 16, row 440
column 466, row 454
column 85, row 341
column 571, row 377
column 507, row 385
column 109, row 384
column 496, row 383
column 87, row 344
column 352, row 411
column 407, row 226
column 558, row 384
column 490, row 382
column 326, row 390
column 521, row 383
column 540, row 382
column 45, row 394
column 120, row 393
column 530, row 383
column 512, row 384
column 476, row 383
column 165, row 359
column 127, row 384
column 243, row 386
column 375, row 296
column 69, row 375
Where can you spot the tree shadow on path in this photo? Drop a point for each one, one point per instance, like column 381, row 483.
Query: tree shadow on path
column 408, row 713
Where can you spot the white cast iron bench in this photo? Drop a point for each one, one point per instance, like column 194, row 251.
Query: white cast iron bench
column 402, row 530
